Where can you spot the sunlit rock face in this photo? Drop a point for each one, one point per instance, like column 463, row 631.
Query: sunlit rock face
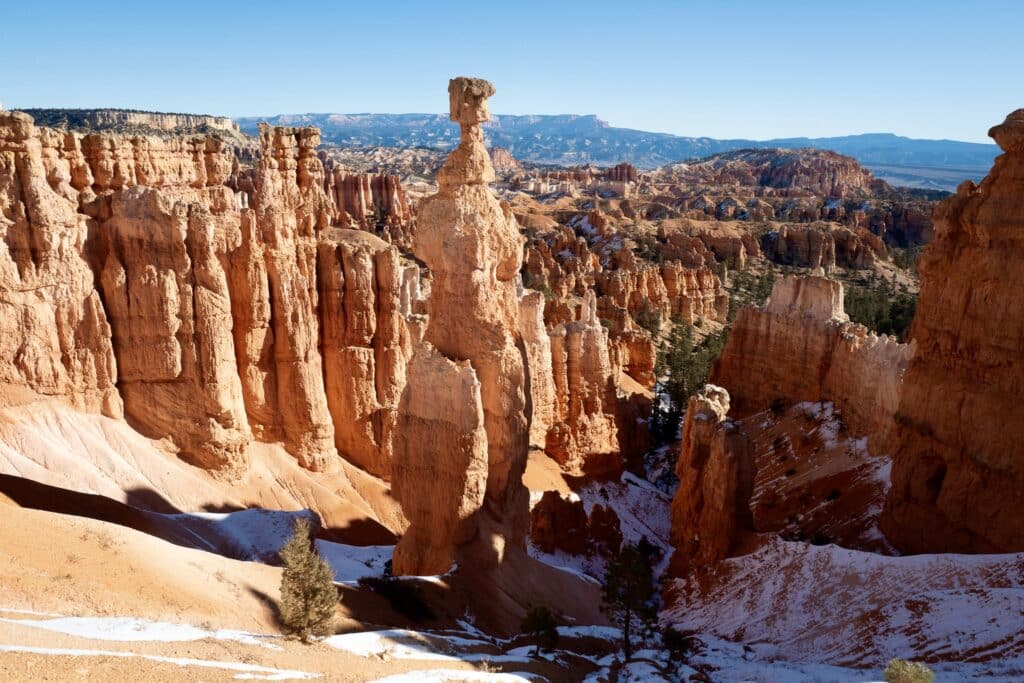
column 959, row 472
column 472, row 245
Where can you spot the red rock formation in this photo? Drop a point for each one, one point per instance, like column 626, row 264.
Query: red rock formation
column 801, row 347
column 440, row 470
column 623, row 172
column 958, row 474
column 372, row 202
column 284, row 386
column 716, row 478
column 824, row 246
column 503, row 161
column 583, row 435
column 54, row 333
column 821, row 172
column 167, row 297
column 366, row 343
column 473, row 248
column 559, row 523
column 538, row 367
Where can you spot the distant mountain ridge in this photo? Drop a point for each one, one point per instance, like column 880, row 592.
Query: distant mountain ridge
column 568, row 139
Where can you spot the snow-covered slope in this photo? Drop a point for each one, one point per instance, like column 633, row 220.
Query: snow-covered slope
column 801, row 602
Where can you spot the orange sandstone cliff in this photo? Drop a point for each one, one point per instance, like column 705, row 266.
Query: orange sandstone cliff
column 958, row 474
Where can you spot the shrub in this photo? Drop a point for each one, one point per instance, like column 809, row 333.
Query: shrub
column 308, row 595
column 902, row 671
column 681, row 645
column 539, row 624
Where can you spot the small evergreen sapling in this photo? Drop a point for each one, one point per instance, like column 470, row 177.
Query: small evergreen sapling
column 308, row 595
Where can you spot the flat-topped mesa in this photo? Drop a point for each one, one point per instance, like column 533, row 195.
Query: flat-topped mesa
column 801, row 346
column 472, row 245
column 813, row 295
column 958, row 470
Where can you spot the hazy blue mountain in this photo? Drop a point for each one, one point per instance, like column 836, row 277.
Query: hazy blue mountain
column 571, row 139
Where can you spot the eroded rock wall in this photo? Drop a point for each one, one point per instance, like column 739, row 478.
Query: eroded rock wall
column 149, row 276
column 55, row 337
column 801, row 346
column 958, row 474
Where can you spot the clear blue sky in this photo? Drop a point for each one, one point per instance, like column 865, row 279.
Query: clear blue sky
column 940, row 69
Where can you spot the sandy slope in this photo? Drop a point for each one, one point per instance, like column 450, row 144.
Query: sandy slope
column 49, row 442
column 61, row 565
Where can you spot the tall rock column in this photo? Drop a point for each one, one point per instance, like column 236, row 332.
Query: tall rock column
column 958, row 471
column 276, row 299
column 473, row 248
column 716, row 479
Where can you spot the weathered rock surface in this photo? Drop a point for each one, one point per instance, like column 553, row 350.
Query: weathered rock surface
column 284, row 383
column 54, row 332
column 471, row 244
column 824, row 246
column 583, row 436
column 958, row 474
column 167, row 297
column 825, row 173
column 716, row 479
column 366, row 343
column 801, row 347
column 374, row 202
column 440, row 469
column 559, row 523
column 503, row 161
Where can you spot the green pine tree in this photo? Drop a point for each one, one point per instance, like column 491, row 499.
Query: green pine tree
column 628, row 594
column 308, row 595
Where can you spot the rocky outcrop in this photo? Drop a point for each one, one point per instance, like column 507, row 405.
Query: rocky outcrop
column 821, row 172
column 167, row 297
column 440, row 470
column 823, row 246
column 471, row 244
column 370, row 201
column 366, row 343
column 716, row 479
column 670, row 290
column 503, row 161
column 537, row 343
column 139, row 121
column 54, row 332
column 276, row 298
column 149, row 276
column 623, row 172
column 559, row 523
column 801, row 347
column 582, row 436
column 958, row 473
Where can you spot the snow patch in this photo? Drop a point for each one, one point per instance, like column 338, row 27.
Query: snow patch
column 446, row 675
column 247, row 671
column 131, row 629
